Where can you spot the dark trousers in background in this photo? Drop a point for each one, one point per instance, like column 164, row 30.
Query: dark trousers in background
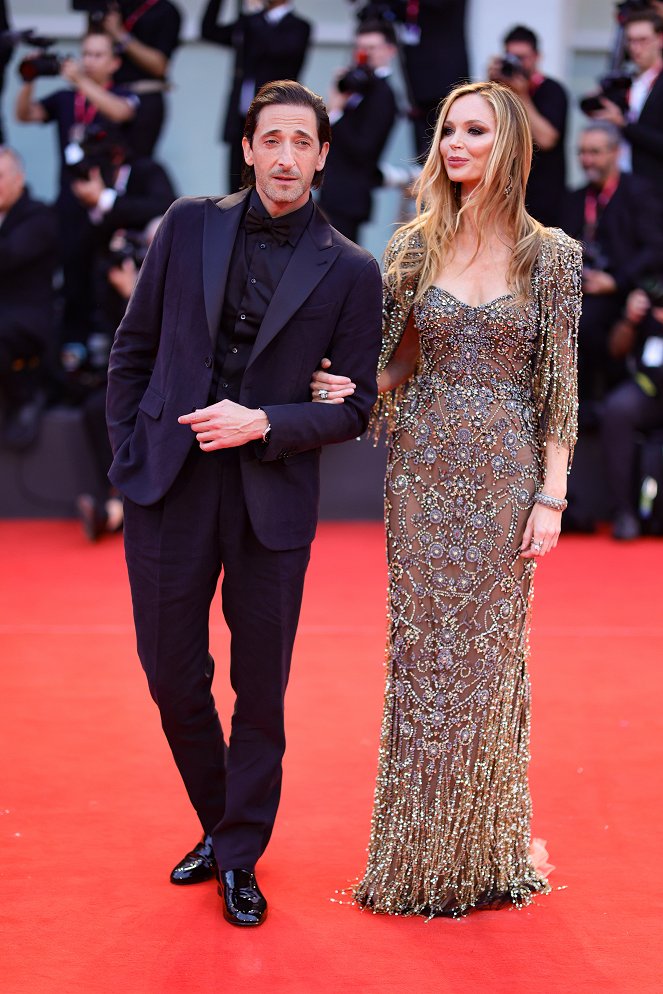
column 176, row 551
column 348, row 226
column 626, row 412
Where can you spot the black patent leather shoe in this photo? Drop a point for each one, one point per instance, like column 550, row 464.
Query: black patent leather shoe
column 198, row 865
column 243, row 901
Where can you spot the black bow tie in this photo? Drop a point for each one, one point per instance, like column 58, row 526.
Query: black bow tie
column 278, row 227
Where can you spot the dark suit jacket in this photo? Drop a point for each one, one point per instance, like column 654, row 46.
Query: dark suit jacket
column 358, row 139
column 328, row 303
column 263, row 52
column 630, row 231
column 439, row 61
column 646, row 137
column 28, row 256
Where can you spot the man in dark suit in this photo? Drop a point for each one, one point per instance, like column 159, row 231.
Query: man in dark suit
column 270, row 42
column 641, row 124
column 216, row 448
column 618, row 219
column 362, row 109
column 28, row 255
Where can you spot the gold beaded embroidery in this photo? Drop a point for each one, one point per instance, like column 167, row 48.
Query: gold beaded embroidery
column 451, row 821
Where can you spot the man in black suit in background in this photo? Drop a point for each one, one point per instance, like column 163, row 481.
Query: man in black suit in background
column 216, row 449
column 270, row 42
column 618, row 219
column 362, row 110
column 28, row 256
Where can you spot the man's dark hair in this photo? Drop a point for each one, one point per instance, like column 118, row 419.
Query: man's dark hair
column 649, row 17
column 377, row 27
column 521, row 33
column 286, row 92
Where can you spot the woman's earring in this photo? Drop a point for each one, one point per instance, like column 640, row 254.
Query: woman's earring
column 509, row 188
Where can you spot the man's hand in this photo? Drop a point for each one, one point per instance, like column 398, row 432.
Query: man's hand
column 637, row 305
column 225, row 425
column 113, row 25
column 123, row 278
column 610, row 112
column 89, row 190
column 71, row 71
column 337, row 387
column 598, row 282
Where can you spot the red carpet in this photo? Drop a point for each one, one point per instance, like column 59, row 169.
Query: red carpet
column 92, row 814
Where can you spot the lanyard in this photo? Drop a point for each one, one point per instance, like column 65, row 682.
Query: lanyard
column 595, row 203
column 130, row 22
column 83, row 115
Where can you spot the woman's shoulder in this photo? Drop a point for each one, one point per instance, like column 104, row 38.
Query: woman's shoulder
column 558, row 250
column 405, row 240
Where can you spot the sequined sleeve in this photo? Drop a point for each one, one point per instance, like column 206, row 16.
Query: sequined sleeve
column 558, row 287
column 396, row 309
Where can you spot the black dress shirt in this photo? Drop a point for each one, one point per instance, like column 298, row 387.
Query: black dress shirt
column 258, row 262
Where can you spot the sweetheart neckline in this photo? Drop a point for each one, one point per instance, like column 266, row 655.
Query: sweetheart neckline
column 463, row 303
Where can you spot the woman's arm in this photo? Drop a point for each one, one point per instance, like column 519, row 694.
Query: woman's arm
column 544, row 524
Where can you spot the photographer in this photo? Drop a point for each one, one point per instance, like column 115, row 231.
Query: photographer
column 619, row 222
column 270, row 42
column 102, row 512
column 641, row 123
column 94, row 101
column 146, row 33
column 635, row 405
column 28, row 244
column 362, row 111
column 546, row 105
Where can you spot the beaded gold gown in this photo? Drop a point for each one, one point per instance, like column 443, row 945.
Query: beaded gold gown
column 451, row 820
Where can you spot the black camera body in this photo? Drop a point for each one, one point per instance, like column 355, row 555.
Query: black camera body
column 511, row 66
column 357, row 79
column 96, row 10
column 127, row 244
column 614, row 87
column 653, row 287
column 44, row 64
column 96, row 150
column 593, row 257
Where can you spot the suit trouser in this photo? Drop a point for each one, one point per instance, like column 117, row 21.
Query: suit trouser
column 625, row 412
column 176, row 550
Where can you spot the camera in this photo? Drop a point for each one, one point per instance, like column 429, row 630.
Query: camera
column 593, row 257
column 653, row 287
column 127, row 244
column 358, row 78
column 510, row 66
column 388, row 10
column 614, row 87
column 45, row 63
column 96, row 150
column 96, row 10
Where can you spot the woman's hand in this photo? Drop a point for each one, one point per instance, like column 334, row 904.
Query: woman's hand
column 541, row 532
column 326, row 388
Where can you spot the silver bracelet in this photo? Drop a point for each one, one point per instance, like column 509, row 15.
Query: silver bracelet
column 556, row 503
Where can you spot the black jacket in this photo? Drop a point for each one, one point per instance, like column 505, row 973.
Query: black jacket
column 629, row 232
column 28, row 256
column 645, row 137
column 358, row 139
column 328, row 303
column 263, row 52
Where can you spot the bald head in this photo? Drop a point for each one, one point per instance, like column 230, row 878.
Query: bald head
column 12, row 178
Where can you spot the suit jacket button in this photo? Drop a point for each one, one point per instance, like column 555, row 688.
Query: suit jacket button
column 208, row 361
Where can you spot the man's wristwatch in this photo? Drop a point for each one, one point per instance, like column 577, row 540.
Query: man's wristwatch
column 265, row 434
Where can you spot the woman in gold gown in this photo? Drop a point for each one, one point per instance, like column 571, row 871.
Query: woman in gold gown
column 478, row 389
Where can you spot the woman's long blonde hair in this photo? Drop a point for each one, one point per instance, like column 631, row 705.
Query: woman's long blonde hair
column 420, row 248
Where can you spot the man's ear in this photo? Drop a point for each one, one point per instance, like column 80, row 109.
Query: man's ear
column 248, row 152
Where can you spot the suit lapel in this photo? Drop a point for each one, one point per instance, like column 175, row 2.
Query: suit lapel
column 309, row 263
column 219, row 232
